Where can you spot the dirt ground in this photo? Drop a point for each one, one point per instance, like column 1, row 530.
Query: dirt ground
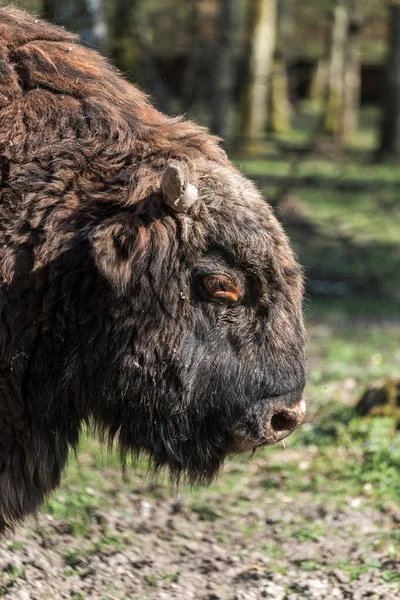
column 140, row 541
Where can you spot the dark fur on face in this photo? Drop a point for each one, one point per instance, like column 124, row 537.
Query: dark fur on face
column 112, row 306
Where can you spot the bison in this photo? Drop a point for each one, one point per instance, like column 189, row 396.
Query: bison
column 146, row 288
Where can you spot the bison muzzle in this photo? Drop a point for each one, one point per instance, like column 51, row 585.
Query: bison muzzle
column 146, row 288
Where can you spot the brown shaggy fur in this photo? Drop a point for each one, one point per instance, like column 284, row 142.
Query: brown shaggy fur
column 104, row 317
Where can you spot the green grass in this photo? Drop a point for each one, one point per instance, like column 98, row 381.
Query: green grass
column 273, row 551
column 356, row 350
column 356, row 238
column 358, row 457
column 356, row 234
column 75, row 502
column 151, row 581
column 173, row 577
column 323, row 170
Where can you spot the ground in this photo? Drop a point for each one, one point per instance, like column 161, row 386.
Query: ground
column 318, row 518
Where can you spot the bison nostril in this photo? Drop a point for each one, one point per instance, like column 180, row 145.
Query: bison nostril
column 284, row 421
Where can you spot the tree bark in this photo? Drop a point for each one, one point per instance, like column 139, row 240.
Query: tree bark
column 352, row 76
column 255, row 99
column 333, row 114
column 225, row 67
column 279, row 103
column 390, row 128
column 319, row 83
column 192, row 78
column 123, row 48
column 148, row 73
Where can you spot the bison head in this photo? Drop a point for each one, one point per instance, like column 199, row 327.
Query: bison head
column 145, row 285
column 201, row 337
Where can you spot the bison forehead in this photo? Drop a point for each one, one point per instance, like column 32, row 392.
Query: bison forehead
column 233, row 202
column 224, row 184
column 234, row 217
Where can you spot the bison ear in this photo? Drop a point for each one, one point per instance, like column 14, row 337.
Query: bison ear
column 113, row 248
column 178, row 193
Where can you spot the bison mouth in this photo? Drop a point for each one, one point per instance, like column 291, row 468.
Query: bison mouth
column 269, row 422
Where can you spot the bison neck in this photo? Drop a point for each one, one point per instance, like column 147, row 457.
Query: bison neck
column 40, row 413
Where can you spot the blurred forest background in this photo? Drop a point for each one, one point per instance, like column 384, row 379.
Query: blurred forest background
column 243, row 67
column 306, row 96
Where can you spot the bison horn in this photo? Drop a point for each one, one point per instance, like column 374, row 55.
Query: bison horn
column 178, row 193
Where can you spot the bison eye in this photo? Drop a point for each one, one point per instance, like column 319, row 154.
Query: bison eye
column 221, row 287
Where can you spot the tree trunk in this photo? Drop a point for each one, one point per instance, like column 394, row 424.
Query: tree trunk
column 148, row 73
column 256, row 94
column 319, row 83
column 333, row 114
column 390, row 129
column 123, row 48
column 192, row 78
column 352, row 77
column 225, row 67
column 280, row 109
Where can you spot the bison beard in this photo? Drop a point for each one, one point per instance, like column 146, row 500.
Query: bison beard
column 146, row 289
